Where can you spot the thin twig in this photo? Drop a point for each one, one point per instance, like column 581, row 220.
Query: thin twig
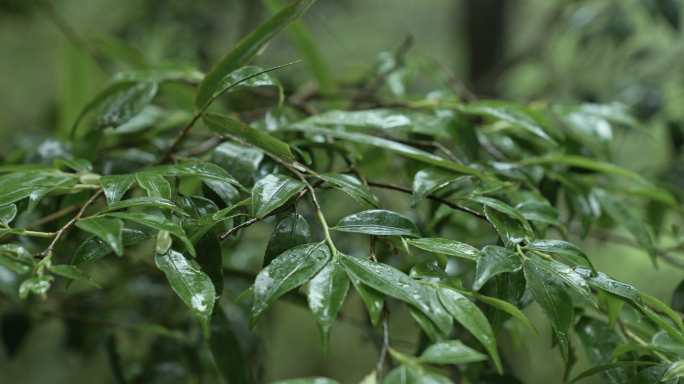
column 169, row 152
column 431, row 197
column 61, row 232
column 385, row 343
column 371, row 254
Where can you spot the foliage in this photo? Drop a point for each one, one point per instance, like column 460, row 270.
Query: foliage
column 499, row 191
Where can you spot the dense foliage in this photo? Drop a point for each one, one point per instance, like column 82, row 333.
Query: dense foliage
column 496, row 191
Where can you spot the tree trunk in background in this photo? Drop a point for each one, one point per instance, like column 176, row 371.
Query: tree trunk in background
column 485, row 30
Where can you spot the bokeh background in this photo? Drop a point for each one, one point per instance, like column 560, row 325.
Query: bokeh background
column 524, row 51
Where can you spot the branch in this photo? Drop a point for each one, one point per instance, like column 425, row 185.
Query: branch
column 385, row 343
column 431, row 197
column 61, row 232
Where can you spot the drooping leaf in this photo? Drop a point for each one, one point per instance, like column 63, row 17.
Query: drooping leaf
column 603, row 281
column 247, row 48
column 650, row 375
column 510, row 230
column 16, row 259
column 389, row 281
column 429, row 180
column 630, row 347
column 354, row 188
column 197, row 206
column 584, row 162
column 447, row 247
column 503, row 208
column 389, row 145
column 427, row 270
column 286, row 272
column 495, row 260
column 143, row 202
column 210, row 258
column 551, row 294
column 78, row 165
column 72, row 273
column 271, row 192
column 192, row 285
column 325, row 293
column 155, row 185
column 248, row 77
column 7, row 214
column 472, row 319
column 201, row 170
column 402, row 374
column 106, row 228
column 241, row 161
column 38, row 193
column 542, row 213
column 229, row 356
column 674, row 372
column 290, row 232
column 665, row 309
column 510, row 288
column 623, row 214
column 378, row 222
column 115, row 186
column 450, row 352
column 373, row 299
column 157, row 223
column 568, row 276
column 38, row 285
column 567, row 250
column 227, row 127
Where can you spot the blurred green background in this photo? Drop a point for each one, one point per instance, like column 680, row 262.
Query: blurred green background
column 524, row 51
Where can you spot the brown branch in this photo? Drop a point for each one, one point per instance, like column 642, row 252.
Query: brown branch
column 431, row 197
column 61, row 232
column 169, row 152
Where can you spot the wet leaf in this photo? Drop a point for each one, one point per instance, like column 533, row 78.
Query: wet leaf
column 568, row 276
column 290, row 232
column 157, row 223
column 427, row 270
column 271, row 192
column 106, row 228
column 378, row 222
column 155, row 185
column 510, row 230
column 16, row 259
column 373, row 299
column 227, row 127
column 210, row 258
column 567, row 250
column 447, row 247
column 229, row 356
column 38, row 285
column 122, row 105
column 429, row 180
column 495, row 260
column 202, row 170
column 7, row 214
column 325, row 293
column 609, row 366
column 143, row 202
column 450, row 352
column 354, row 188
column 115, row 186
column 72, row 273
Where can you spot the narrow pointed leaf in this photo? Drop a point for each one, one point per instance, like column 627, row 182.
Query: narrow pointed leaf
column 503, row 208
column 450, row 352
column 286, row 272
column 447, row 247
column 143, row 202
column 666, row 310
column 373, row 299
column 271, row 192
column 609, row 366
column 202, row 170
column 192, row 285
column 586, row 163
column 429, row 180
column 155, row 185
column 511, row 231
column 229, row 356
column 567, row 250
column 227, row 127
column 107, row 228
column 210, row 258
column 325, row 293
column 651, row 375
column 427, row 270
column 248, row 77
column 122, row 105
column 354, row 188
column 495, row 260
column 290, row 232
column 72, row 273
column 568, row 276
column 378, row 222
column 158, row 223
column 472, row 319
column 551, row 294
column 115, row 186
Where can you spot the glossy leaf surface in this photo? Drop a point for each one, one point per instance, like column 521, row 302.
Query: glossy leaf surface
column 155, row 185
column 157, row 223
column 290, row 232
column 378, row 222
column 271, row 192
column 450, row 352
column 115, row 186
column 106, row 228
column 569, row 251
column 325, row 293
column 227, row 127
column 229, row 356
column 429, row 180
column 354, row 188
column 447, row 247
column 495, row 260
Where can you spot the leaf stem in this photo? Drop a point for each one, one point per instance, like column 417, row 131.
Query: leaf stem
column 324, row 224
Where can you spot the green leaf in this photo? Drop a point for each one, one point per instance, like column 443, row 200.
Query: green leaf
column 429, row 180
column 120, row 106
column 210, row 258
column 378, row 222
column 157, row 223
column 286, row 272
column 202, row 170
column 78, row 165
column 462, row 131
column 225, row 211
column 675, row 371
column 542, row 213
column 325, row 293
column 650, row 375
column 495, row 260
column 292, row 231
column 373, row 299
column 227, row 127
column 510, row 113
column 606, row 367
column 511, row 231
column 95, row 248
column 593, row 129
column 427, row 270
column 402, row 375
column 472, row 319
column 389, row 145
column 72, row 273
column 32, row 183
column 249, row 77
column 225, row 191
column 197, row 206
column 247, row 49
column 567, row 250
column 38, row 285
column 503, row 208
column 192, row 285
column 182, row 74
column 383, row 119
column 307, row 380
column 354, row 188
column 389, row 281
column 7, row 214
column 155, row 185
column 229, row 356
column 447, row 247
column 271, row 192
column 107, row 228
column 629, row 347
column 115, row 186
column 613, row 305
column 38, row 193
column 623, row 214
column 550, row 293
column 666, row 310
column 605, row 282
column 143, row 202
column 450, row 352
column 16, row 259
column 585, row 163
column 568, row 276
column 241, row 161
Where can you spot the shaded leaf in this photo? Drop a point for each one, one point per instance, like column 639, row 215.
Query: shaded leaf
column 381, row 118
column 120, row 106
column 202, row 170
column 290, row 232
column 106, row 228
column 229, row 356
column 210, row 258
column 16, row 259
column 143, row 202
column 495, row 260
column 567, row 250
column 606, row 367
column 373, row 299
column 7, row 214
column 510, row 230
column 585, row 163
column 38, row 285
column 427, row 270
column 72, row 273
column 248, row 77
